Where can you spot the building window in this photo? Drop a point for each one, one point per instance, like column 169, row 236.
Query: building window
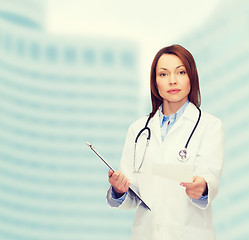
column 127, row 59
column 8, row 43
column 35, row 51
column 89, row 57
column 51, row 54
column 70, row 55
column 108, row 57
column 20, row 47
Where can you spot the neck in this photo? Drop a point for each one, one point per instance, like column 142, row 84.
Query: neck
column 171, row 107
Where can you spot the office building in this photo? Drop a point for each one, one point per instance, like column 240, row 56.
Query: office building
column 56, row 93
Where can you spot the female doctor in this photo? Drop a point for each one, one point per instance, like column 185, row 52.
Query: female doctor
column 176, row 134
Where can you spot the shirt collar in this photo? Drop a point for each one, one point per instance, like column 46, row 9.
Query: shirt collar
column 171, row 119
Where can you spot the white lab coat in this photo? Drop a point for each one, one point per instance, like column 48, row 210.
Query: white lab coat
column 173, row 215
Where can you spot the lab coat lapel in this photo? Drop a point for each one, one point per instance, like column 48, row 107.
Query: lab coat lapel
column 145, row 178
column 155, row 128
column 190, row 113
column 146, row 182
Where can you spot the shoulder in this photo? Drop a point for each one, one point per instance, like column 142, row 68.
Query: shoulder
column 139, row 123
column 207, row 118
column 211, row 124
column 136, row 127
column 211, row 119
column 208, row 122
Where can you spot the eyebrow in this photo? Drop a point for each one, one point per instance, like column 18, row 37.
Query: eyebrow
column 176, row 67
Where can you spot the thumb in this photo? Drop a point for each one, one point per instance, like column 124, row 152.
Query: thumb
column 195, row 179
column 110, row 173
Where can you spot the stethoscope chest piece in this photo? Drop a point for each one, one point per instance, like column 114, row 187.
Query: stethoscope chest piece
column 183, row 155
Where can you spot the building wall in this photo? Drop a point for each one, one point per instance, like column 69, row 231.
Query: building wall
column 221, row 51
column 56, row 93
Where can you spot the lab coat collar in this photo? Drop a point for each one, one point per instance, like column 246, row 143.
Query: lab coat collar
column 190, row 113
column 155, row 125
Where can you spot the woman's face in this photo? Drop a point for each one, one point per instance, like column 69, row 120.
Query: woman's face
column 172, row 80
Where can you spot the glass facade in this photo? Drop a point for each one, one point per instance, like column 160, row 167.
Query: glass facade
column 56, row 93
column 221, row 51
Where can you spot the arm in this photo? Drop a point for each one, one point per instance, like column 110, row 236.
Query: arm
column 118, row 194
column 197, row 189
column 208, row 166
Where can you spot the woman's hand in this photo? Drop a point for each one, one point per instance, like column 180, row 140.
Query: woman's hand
column 196, row 188
column 119, row 182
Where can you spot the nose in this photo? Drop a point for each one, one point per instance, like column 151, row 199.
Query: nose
column 172, row 79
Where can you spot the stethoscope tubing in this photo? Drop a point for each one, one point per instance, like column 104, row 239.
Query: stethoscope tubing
column 197, row 122
column 148, row 140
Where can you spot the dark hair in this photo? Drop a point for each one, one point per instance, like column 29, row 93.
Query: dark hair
column 189, row 63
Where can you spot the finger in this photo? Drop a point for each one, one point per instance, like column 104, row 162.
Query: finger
column 113, row 178
column 200, row 183
column 187, row 185
column 195, row 193
column 121, row 187
column 115, row 175
column 194, row 196
column 190, row 193
column 198, row 179
column 127, row 185
column 195, row 178
column 117, row 179
column 122, row 180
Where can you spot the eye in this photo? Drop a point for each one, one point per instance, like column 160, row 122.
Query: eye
column 163, row 74
column 182, row 72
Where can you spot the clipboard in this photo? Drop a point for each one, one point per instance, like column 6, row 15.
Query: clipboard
column 132, row 187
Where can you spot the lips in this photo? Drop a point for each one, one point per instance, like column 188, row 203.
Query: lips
column 174, row 91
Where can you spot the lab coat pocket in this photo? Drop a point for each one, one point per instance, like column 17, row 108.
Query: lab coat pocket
column 140, row 232
column 198, row 233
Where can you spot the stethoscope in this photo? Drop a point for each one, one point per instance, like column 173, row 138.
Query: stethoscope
column 183, row 154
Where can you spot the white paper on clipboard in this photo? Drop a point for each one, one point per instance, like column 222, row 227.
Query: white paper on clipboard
column 176, row 172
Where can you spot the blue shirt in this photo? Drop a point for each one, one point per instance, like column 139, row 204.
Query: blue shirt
column 166, row 123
